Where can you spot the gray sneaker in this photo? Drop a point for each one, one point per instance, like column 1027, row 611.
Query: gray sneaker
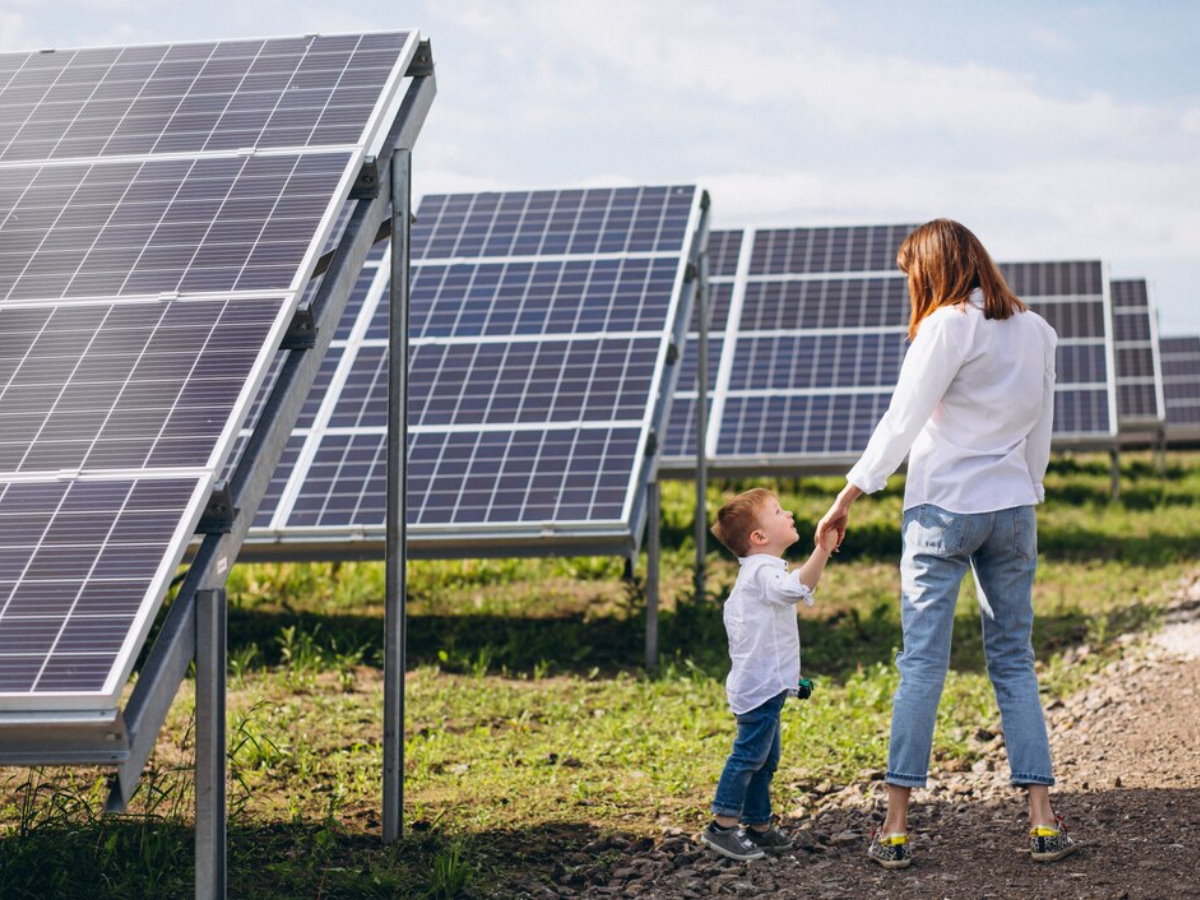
column 731, row 842
column 772, row 840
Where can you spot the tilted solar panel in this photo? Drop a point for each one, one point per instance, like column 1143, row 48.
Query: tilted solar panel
column 1181, row 386
column 1140, row 403
column 161, row 209
column 815, row 336
column 541, row 328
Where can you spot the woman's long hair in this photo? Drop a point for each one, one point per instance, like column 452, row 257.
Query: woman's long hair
column 944, row 262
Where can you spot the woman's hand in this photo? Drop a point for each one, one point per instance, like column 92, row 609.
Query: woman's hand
column 831, row 530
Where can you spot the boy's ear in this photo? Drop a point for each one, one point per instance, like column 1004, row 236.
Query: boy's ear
column 757, row 537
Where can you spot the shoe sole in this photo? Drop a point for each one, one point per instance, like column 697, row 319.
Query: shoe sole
column 1057, row 854
column 892, row 863
column 729, row 854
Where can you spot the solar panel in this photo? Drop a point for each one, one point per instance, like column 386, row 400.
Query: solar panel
column 541, row 327
column 1181, row 386
column 162, row 208
column 1140, row 403
column 814, row 335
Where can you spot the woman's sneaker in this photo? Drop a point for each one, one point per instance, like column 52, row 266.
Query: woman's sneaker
column 890, row 851
column 1047, row 843
column 731, row 842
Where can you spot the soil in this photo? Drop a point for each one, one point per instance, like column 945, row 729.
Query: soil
column 1127, row 758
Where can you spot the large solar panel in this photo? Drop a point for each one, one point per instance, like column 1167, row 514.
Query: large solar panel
column 161, row 208
column 807, row 335
column 541, row 331
column 1181, row 386
column 1140, row 403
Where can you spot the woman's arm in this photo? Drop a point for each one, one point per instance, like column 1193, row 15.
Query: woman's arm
column 932, row 361
column 832, row 527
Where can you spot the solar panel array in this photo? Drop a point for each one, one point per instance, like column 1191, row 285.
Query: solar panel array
column 1140, row 403
column 807, row 335
column 1181, row 385
column 541, row 324
column 160, row 209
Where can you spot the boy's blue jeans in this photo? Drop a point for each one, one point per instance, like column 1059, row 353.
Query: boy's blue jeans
column 1001, row 550
column 745, row 786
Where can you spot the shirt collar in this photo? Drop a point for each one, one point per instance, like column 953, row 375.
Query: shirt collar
column 763, row 559
column 976, row 297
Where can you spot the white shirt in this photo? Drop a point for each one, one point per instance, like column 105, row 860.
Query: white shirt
column 764, row 639
column 975, row 405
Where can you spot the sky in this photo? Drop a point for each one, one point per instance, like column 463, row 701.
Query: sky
column 1053, row 130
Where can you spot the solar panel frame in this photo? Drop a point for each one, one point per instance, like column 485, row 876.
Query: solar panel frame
column 371, row 134
column 490, row 323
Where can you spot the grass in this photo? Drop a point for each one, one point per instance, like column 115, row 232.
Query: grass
column 532, row 731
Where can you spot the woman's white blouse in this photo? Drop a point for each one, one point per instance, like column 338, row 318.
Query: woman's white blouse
column 764, row 639
column 973, row 410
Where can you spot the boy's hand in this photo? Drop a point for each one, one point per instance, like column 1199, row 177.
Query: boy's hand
column 828, row 539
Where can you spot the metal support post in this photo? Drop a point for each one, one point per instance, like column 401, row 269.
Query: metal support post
column 701, row 523
column 653, row 546
column 210, row 745
column 397, row 481
column 1114, row 471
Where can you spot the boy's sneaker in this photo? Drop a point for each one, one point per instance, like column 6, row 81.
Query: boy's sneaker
column 1047, row 844
column 731, row 842
column 890, row 851
column 772, row 840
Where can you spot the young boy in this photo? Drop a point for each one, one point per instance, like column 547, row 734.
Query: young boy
column 764, row 648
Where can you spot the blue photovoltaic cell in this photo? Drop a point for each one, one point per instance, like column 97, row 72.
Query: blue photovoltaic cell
column 192, row 98
column 549, row 223
column 1138, row 370
column 539, row 326
column 161, row 226
column 526, row 298
column 139, row 385
column 78, row 560
column 854, row 248
column 150, row 257
column 1181, row 386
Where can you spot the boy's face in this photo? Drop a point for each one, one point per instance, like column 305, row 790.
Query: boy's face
column 776, row 528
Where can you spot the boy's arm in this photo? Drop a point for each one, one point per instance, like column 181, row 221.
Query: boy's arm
column 810, row 571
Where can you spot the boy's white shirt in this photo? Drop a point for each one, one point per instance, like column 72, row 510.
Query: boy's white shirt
column 764, row 638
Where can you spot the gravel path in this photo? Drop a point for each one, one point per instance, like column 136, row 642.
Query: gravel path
column 1127, row 753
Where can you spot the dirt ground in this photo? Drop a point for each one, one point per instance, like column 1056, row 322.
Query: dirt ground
column 1127, row 755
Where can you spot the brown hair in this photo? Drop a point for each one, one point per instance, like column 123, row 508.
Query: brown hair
column 944, row 262
column 738, row 519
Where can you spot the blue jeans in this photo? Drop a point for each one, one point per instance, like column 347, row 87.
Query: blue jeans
column 745, row 786
column 1001, row 549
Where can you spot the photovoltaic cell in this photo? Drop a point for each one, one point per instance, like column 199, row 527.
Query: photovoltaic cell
column 1181, row 386
column 160, row 210
column 539, row 329
column 161, row 226
column 193, row 98
column 1138, row 368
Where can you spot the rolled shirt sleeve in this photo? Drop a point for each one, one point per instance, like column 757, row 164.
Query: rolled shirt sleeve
column 932, row 361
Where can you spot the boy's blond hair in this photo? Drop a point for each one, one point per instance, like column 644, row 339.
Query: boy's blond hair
column 738, row 519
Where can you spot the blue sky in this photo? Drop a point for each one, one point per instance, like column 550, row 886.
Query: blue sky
column 1065, row 130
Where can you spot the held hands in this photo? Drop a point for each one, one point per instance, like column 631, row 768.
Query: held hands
column 831, row 530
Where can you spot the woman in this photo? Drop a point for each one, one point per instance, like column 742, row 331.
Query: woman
column 973, row 409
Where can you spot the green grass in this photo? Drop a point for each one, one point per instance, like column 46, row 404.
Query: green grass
column 532, row 730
